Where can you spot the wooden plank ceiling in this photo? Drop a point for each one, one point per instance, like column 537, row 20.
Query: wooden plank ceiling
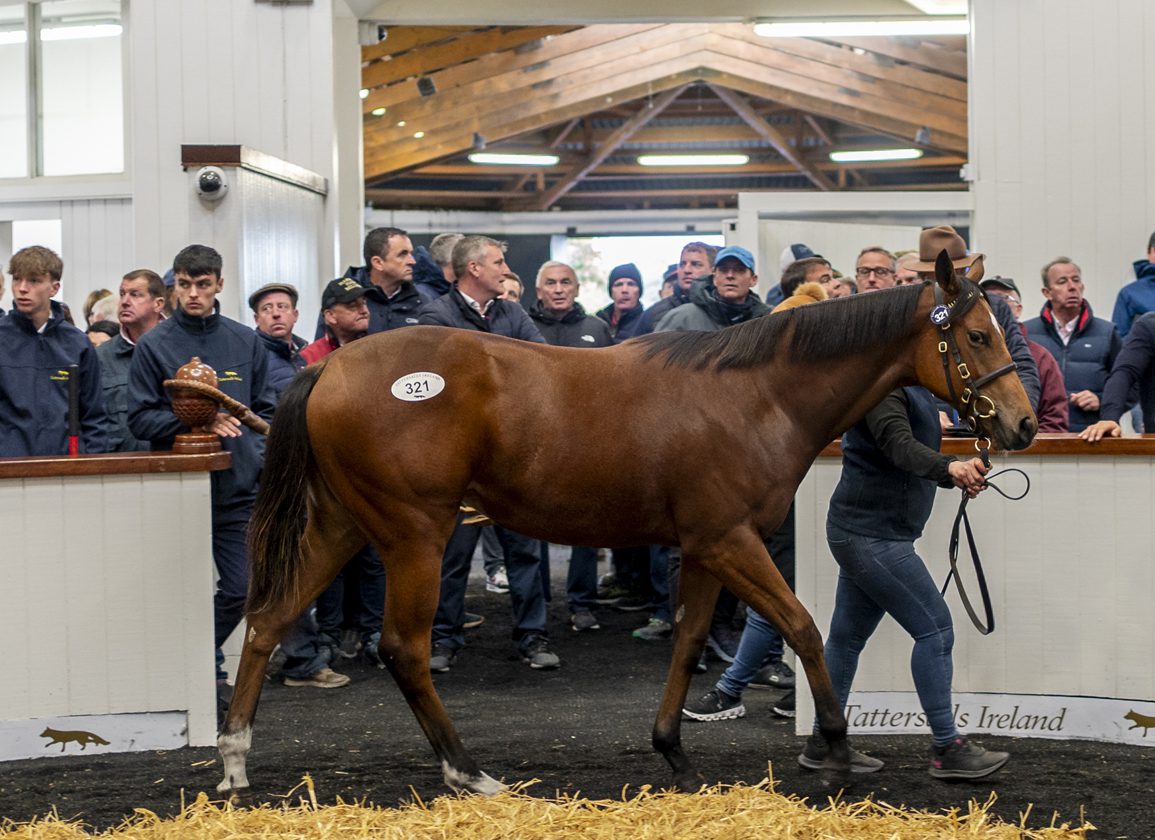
column 598, row 96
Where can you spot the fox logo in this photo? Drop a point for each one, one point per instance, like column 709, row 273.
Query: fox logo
column 1139, row 721
column 62, row 737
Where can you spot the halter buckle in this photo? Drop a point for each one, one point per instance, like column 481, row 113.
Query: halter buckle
column 942, row 348
column 963, row 371
column 965, row 396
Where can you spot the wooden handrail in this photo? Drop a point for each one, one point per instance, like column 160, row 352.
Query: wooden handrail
column 1044, row 444
column 112, row 463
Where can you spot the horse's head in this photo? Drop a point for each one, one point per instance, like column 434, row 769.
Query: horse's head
column 968, row 364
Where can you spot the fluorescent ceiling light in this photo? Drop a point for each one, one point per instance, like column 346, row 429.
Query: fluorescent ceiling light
column 859, row 28
column 499, row 159
column 364, row 93
column 378, row 112
column 868, row 155
column 693, row 160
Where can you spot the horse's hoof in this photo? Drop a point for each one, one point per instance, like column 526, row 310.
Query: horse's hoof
column 690, row 781
column 238, row 797
column 836, row 778
column 478, row 782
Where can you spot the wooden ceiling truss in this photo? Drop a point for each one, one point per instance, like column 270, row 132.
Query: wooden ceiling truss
column 597, row 96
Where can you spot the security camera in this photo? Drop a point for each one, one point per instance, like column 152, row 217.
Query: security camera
column 211, row 183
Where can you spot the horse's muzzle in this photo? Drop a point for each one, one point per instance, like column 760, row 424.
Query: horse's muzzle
column 1018, row 436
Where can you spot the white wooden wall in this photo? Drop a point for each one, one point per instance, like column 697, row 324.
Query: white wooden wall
column 97, row 241
column 1062, row 117
column 127, row 560
column 230, row 72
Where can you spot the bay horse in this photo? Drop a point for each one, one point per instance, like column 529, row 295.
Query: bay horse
column 691, row 439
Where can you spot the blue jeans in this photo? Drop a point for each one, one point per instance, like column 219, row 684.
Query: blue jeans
column 760, row 641
column 581, row 581
column 231, row 558
column 355, row 598
column 523, row 557
column 304, row 655
column 877, row 577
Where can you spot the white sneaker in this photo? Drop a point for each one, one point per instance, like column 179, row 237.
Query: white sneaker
column 498, row 581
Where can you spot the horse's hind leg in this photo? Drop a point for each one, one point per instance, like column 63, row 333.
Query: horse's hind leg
column 694, row 604
column 330, row 539
column 413, row 570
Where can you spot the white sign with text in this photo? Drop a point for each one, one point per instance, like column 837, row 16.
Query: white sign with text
column 1015, row 715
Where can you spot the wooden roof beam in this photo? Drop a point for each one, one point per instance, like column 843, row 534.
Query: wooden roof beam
column 774, row 136
column 467, row 48
column 643, row 116
column 399, row 39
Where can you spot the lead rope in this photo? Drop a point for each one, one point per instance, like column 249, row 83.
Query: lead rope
column 961, row 518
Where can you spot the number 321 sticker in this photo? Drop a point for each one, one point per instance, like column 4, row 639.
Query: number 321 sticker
column 415, row 387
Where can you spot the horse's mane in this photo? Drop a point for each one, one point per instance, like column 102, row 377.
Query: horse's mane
column 826, row 330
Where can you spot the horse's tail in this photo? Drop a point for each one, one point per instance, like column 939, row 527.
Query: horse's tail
column 278, row 519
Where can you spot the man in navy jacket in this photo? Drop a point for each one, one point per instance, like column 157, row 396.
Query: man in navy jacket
column 473, row 304
column 1084, row 346
column 241, row 362
column 37, row 348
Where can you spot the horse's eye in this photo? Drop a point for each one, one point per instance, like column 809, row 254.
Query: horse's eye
column 976, row 337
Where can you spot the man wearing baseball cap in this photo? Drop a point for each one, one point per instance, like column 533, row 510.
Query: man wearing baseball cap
column 727, row 298
column 345, row 315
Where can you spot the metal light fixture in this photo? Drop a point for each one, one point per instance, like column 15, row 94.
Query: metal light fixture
column 511, row 159
column 873, row 155
column 693, row 160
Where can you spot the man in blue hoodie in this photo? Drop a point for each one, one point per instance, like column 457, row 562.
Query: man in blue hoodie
column 37, row 349
column 241, row 362
column 1138, row 296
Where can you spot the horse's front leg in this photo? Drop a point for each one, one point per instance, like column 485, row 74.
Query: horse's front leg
column 693, row 605
column 751, row 575
column 413, row 575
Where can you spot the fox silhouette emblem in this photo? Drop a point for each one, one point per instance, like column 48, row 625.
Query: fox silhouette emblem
column 62, row 737
column 1139, row 721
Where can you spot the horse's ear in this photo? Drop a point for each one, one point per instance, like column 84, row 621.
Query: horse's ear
column 944, row 274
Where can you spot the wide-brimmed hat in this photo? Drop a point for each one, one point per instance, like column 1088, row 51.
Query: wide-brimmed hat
column 934, row 240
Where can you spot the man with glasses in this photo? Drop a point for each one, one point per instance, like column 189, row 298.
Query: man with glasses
column 874, row 269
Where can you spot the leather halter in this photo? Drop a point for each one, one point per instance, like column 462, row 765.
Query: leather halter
column 974, row 404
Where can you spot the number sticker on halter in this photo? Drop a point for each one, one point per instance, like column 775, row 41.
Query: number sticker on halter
column 939, row 315
column 415, row 387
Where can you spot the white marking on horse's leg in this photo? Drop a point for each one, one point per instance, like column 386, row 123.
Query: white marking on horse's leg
column 233, row 748
column 482, row 783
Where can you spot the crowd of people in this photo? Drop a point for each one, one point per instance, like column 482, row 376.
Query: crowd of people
column 1081, row 372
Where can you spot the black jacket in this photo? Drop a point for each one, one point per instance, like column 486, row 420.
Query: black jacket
column 502, row 318
column 574, row 329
